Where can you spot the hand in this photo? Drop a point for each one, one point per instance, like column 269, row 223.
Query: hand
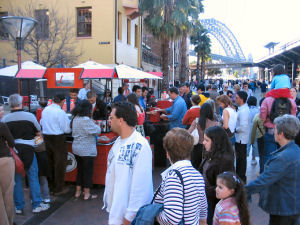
column 126, row 222
column 203, row 222
column 163, row 116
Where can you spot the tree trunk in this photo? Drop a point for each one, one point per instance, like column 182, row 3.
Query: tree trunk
column 165, row 63
column 183, row 71
column 202, row 67
column 198, row 67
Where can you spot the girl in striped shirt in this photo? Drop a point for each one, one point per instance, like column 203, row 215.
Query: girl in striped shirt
column 232, row 209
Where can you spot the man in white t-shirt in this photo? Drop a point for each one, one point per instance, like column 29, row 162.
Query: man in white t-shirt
column 128, row 184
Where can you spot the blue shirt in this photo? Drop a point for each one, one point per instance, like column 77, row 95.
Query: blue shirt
column 280, row 81
column 142, row 102
column 177, row 110
column 119, row 98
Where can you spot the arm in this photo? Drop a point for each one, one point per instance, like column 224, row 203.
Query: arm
column 141, row 190
column 225, row 118
column 192, row 127
column 64, row 122
column 173, row 201
column 175, row 111
column 273, row 171
column 186, row 117
column 253, row 130
column 5, row 132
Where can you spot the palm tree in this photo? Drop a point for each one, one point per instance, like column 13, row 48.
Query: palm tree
column 187, row 28
column 165, row 19
column 202, row 44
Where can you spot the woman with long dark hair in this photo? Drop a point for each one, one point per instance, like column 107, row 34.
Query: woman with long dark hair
column 84, row 146
column 233, row 206
column 206, row 120
column 139, row 109
column 219, row 157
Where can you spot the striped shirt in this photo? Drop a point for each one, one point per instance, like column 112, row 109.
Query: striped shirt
column 171, row 194
column 226, row 213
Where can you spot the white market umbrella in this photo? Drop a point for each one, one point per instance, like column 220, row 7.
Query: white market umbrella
column 127, row 72
column 92, row 65
column 10, row 71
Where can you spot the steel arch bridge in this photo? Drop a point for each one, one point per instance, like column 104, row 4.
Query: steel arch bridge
column 227, row 40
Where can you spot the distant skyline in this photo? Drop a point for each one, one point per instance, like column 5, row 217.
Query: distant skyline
column 257, row 22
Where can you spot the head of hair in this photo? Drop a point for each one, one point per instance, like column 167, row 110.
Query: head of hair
column 208, row 87
column 245, row 83
column 201, row 87
column 196, row 99
column 206, row 112
column 174, row 90
column 15, row 100
column 220, row 142
column 252, row 101
column 74, row 90
column 232, row 181
column 127, row 111
column 144, row 89
column 91, row 94
column 278, row 69
column 135, row 88
column 86, row 83
column 243, row 95
column 107, row 91
column 225, row 100
column 237, row 87
column 187, row 84
column 83, row 108
column 134, row 100
column 229, row 92
column 59, row 98
column 212, row 104
column 261, row 101
column 288, row 125
column 120, row 90
column 178, row 143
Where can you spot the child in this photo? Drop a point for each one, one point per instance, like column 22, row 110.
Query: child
column 280, row 84
column 232, row 209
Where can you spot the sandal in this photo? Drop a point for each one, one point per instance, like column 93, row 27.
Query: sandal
column 91, row 197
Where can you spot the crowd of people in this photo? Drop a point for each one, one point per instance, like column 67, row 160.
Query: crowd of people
column 213, row 127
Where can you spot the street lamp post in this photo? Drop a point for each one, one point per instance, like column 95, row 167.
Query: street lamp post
column 19, row 28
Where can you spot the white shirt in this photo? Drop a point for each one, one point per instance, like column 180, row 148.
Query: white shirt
column 82, row 93
column 128, row 182
column 232, row 118
column 54, row 121
column 243, row 125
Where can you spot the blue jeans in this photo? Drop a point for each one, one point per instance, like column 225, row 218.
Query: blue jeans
column 269, row 146
column 33, row 180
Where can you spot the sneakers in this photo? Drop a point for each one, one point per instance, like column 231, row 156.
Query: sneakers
column 19, row 211
column 253, row 162
column 46, row 200
column 41, row 207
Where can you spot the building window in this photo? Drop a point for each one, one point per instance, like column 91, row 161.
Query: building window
column 42, row 27
column 119, row 26
column 128, row 31
column 136, row 37
column 84, row 22
column 3, row 35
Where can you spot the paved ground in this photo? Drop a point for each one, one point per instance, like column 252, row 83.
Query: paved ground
column 66, row 211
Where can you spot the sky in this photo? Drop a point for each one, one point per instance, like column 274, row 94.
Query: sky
column 257, row 22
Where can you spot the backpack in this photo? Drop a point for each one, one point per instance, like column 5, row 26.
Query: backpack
column 280, row 107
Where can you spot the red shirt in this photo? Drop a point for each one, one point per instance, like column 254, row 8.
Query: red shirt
column 191, row 115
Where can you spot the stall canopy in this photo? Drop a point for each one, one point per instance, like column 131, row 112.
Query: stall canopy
column 127, row 72
column 94, row 70
column 29, row 69
column 159, row 74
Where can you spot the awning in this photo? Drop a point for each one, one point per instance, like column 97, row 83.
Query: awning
column 10, row 71
column 127, row 72
column 30, row 73
column 159, row 74
column 97, row 73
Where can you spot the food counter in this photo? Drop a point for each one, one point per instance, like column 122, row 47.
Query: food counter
column 100, row 163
